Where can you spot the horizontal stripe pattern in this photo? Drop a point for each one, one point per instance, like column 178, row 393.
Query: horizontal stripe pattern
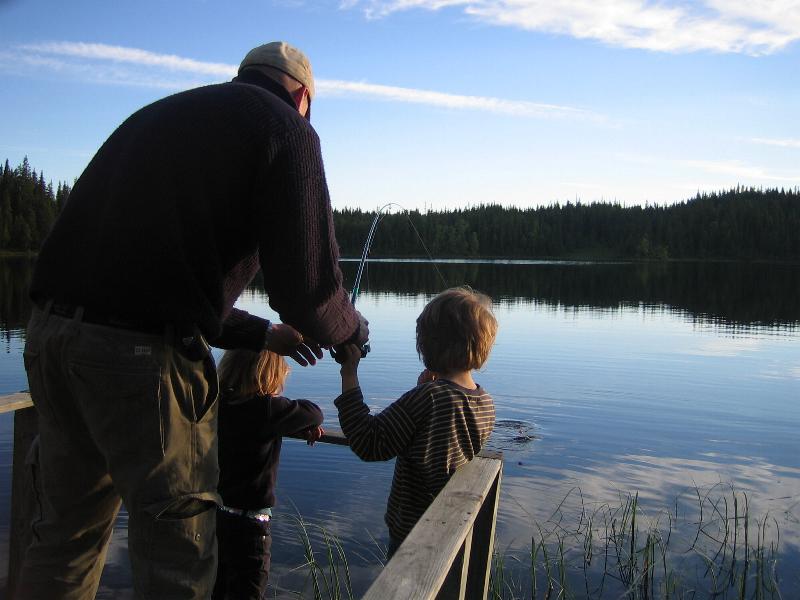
column 432, row 429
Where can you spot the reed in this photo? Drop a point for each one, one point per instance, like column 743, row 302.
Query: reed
column 327, row 566
column 716, row 549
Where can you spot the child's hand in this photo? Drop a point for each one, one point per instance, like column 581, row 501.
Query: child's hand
column 314, row 434
column 348, row 355
column 426, row 376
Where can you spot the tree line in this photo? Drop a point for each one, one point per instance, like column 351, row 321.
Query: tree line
column 740, row 223
column 28, row 206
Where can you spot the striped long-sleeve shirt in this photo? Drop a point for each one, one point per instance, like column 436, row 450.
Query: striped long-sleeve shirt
column 432, row 430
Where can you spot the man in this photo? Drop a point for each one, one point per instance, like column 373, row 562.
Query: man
column 162, row 232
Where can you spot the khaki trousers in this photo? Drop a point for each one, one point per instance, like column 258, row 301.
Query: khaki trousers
column 122, row 418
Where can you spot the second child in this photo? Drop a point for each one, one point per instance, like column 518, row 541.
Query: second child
column 253, row 418
column 439, row 425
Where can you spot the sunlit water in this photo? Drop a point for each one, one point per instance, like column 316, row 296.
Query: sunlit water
column 673, row 382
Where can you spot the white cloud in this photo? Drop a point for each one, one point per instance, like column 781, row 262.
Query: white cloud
column 741, row 172
column 118, row 65
column 786, row 143
column 455, row 101
column 738, row 169
column 97, row 73
column 135, row 56
column 753, row 27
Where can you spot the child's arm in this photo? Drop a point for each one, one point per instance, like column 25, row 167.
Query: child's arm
column 374, row 437
column 349, row 357
column 286, row 417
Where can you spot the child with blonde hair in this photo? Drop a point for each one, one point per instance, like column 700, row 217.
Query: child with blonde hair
column 253, row 417
column 439, row 425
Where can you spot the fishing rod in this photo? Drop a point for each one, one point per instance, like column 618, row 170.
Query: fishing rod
column 365, row 252
column 365, row 348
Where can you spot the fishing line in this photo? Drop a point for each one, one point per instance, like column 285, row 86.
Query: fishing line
column 365, row 348
column 421, row 241
column 371, row 236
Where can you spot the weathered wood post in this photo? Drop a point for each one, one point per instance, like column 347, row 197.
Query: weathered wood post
column 483, row 539
column 26, row 426
column 448, row 554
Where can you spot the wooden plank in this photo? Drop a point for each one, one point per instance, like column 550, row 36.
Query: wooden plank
column 13, row 402
column 423, row 561
column 455, row 583
column 483, row 544
column 491, row 454
column 463, row 568
column 23, row 501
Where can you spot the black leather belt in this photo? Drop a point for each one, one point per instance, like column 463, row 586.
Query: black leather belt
column 97, row 318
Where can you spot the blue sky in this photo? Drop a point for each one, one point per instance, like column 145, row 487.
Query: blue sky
column 441, row 103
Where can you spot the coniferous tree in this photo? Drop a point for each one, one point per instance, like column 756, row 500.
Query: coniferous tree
column 28, row 207
column 742, row 223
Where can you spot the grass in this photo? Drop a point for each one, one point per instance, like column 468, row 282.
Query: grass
column 715, row 548
column 327, row 565
column 708, row 545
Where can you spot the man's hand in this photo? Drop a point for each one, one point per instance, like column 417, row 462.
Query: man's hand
column 287, row 341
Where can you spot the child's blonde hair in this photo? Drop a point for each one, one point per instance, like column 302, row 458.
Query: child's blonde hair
column 248, row 373
column 456, row 330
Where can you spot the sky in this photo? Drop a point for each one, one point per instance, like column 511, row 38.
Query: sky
column 441, row 104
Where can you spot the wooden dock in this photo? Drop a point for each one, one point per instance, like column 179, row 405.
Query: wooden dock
column 446, row 556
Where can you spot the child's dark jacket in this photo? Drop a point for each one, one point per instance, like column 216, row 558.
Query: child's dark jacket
column 250, row 435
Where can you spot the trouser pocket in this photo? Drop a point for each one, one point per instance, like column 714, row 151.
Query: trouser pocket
column 173, row 547
column 122, row 407
column 37, row 385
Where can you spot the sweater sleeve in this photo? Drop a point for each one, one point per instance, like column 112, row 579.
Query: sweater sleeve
column 297, row 243
column 382, row 436
column 242, row 330
column 286, row 417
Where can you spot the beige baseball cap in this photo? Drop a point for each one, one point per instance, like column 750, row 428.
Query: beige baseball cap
column 283, row 57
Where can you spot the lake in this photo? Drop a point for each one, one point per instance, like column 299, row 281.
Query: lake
column 673, row 388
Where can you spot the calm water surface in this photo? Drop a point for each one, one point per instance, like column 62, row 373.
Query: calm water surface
column 678, row 381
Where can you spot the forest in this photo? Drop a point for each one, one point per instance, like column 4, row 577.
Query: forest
column 28, row 207
column 743, row 223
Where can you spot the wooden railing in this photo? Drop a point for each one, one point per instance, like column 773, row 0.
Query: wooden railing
column 447, row 555
column 22, row 500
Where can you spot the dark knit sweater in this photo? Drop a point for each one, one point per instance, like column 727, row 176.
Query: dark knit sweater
column 250, row 435
column 182, row 204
